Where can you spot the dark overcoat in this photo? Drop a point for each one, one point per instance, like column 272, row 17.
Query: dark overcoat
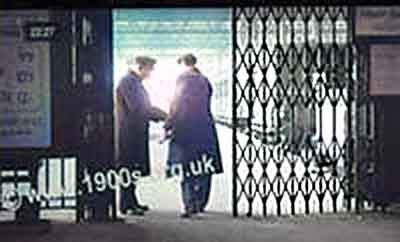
column 193, row 128
column 133, row 116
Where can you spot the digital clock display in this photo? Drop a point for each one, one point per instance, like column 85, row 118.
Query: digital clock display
column 40, row 31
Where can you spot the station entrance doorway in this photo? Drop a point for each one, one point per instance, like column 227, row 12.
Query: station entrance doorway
column 287, row 83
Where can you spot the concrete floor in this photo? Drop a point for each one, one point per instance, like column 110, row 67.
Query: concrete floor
column 214, row 227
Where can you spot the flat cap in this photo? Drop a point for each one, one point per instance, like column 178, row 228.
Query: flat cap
column 142, row 60
column 187, row 59
column 145, row 60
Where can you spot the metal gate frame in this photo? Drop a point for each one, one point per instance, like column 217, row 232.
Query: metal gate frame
column 358, row 132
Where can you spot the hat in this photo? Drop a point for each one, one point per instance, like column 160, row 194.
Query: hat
column 187, row 59
column 145, row 60
column 142, row 60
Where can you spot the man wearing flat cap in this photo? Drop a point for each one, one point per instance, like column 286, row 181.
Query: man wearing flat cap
column 187, row 59
column 134, row 111
column 193, row 136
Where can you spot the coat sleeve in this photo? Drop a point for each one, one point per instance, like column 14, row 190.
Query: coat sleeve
column 128, row 93
column 174, row 107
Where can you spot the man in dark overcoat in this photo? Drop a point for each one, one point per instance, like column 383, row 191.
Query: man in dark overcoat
column 134, row 111
column 194, row 144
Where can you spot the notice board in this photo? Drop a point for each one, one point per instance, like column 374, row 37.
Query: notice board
column 25, row 94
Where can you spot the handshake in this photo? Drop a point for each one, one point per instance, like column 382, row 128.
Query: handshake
column 159, row 115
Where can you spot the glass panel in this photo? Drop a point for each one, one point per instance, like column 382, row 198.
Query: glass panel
column 168, row 33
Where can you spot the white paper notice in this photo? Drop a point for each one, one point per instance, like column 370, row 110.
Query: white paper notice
column 25, row 117
column 378, row 21
column 385, row 69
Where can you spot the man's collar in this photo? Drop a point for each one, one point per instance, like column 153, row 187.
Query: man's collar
column 189, row 72
column 134, row 74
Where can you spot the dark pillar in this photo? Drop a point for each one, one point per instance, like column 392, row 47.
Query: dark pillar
column 390, row 163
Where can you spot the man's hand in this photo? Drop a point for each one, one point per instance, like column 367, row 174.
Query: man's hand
column 167, row 125
column 156, row 114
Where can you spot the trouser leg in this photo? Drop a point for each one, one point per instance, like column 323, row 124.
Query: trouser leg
column 128, row 197
column 205, row 189
column 188, row 187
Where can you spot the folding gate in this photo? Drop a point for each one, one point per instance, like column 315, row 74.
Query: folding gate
column 297, row 94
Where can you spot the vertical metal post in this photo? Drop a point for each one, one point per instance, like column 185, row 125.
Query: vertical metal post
column 353, row 138
column 62, row 182
column 78, row 188
column 47, row 180
column 1, row 186
column 111, row 123
column 234, row 113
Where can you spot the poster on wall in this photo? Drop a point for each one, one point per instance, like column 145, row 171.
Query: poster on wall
column 378, row 21
column 25, row 120
column 384, row 69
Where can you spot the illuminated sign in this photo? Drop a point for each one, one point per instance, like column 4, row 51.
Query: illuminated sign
column 25, row 115
column 40, row 31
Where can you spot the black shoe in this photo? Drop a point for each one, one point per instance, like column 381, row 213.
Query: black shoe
column 186, row 215
column 143, row 207
column 137, row 211
column 124, row 211
column 133, row 211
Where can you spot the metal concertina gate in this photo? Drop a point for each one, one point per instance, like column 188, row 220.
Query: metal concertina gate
column 295, row 89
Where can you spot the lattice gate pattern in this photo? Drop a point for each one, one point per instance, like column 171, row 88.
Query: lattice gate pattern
column 294, row 75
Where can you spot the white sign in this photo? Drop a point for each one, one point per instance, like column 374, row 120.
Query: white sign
column 24, row 88
column 378, row 21
column 385, row 69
